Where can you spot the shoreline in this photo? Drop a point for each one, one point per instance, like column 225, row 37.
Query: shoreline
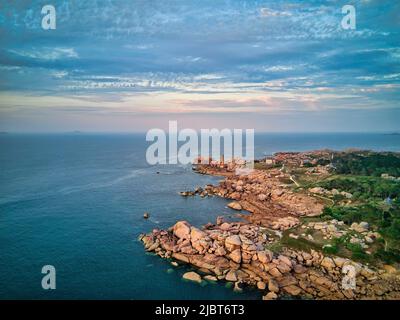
column 251, row 253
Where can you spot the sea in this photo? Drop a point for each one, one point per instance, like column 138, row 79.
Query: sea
column 76, row 201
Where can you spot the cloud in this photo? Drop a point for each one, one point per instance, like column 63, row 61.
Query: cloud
column 278, row 68
column 265, row 12
column 56, row 53
column 208, row 56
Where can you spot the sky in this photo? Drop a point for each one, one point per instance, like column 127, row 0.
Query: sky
column 128, row 66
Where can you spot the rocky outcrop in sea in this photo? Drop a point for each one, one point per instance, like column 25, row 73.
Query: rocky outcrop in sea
column 237, row 252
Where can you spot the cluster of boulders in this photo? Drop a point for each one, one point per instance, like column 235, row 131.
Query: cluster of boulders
column 363, row 236
column 285, row 223
column 237, row 240
column 361, row 227
column 389, row 177
column 301, row 158
column 207, row 191
column 359, row 233
column 327, row 278
column 329, row 229
column 333, row 192
column 237, row 252
column 319, row 170
column 261, row 192
column 259, row 184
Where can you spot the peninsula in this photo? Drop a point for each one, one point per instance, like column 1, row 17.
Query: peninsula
column 312, row 225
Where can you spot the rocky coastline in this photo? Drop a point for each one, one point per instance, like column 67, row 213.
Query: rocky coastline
column 243, row 252
column 235, row 252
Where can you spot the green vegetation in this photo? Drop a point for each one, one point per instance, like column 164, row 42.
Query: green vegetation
column 387, row 256
column 363, row 187
column 343, row 247
column 357, row 252
column 367, row 163
column 374, row 199
column 308, row 165
column 300, row 243
column 275, row 247
column 331, row 249
column 385, row 218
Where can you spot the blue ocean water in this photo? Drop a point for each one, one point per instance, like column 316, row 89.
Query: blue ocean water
column 76, row 201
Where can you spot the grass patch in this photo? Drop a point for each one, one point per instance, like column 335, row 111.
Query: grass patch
column 300, row 243
column 275, row 247
column 330, row 249
column 357, row 252
column 387, row 256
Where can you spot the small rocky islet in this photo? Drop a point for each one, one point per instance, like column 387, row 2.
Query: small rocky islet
column 265, row 249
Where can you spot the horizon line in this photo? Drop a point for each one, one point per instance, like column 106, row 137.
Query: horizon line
column 77, row 132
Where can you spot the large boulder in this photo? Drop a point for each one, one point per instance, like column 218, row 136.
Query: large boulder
column 328, row 263
column 292, row 290
column 288, row 280
column 318, row 190
column 264, row 256
column 200, row 240
column 235, row 205
column 202, row 262
column 192, row 276
column 261, row 285
column 273, row 286
column 299, row 269
column 261, row 197
column 360, row 227
column 277, row 192
column 196, row 234
column 235, row 196
column 231, row 276
column 275, row 272
column 368, row 273
column 210, row 278
column 181, row 229
column 283, row 267
column 236, row 256
column 270, row 296
column 285, row 260
column 180, row 257
column 225, row 226
column 233, row 242
column 339, row 262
